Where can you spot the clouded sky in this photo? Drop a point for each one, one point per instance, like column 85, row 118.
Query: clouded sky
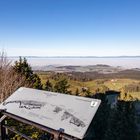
column 70, row 27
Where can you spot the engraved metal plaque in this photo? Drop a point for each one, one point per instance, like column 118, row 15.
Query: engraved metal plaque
column 58, row 111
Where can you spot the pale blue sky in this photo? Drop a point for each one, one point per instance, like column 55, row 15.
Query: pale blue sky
column 70, row 27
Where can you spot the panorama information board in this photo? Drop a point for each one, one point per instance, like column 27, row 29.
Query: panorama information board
column 73, row 114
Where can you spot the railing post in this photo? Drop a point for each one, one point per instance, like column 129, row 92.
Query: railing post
column 56, row 135
column 2, row 129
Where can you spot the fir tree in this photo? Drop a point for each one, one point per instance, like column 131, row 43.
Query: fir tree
column 37, row 82
column 62, row 86
column 87, row 93
column 77, row 92
column 22, row 67
column 48, row 86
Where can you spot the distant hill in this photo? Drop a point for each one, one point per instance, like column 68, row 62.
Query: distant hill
column 90, row 68
column 92, row 71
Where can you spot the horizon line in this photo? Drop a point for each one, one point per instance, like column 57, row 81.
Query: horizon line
column 119, row 56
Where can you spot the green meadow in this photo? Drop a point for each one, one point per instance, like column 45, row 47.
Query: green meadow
column 99, row 85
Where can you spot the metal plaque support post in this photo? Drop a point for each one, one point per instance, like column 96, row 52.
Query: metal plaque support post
column 2, row 129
